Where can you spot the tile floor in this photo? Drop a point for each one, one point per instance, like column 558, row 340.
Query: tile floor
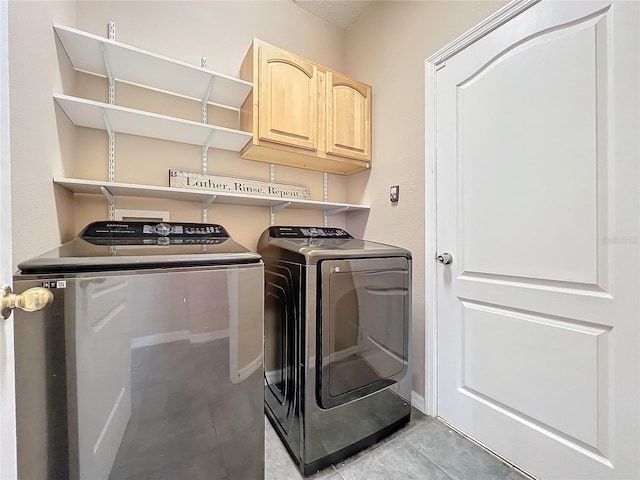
column 425, row 449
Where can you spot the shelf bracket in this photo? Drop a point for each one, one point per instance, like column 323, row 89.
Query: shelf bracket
column 112, row 160
column 205, row 156
column 107, row 193
column 107, row 65
column 207, row 143
column 332, row 211
column 276, row 208
column 325, row 197
column 112, row 146
column 107, row 124
column 280, row 206
column 205, row 146
column 205, row 206
column 209, row 201
column 205, row 98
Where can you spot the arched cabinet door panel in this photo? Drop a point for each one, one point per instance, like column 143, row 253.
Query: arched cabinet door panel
column 288, row 95
column 348, row 114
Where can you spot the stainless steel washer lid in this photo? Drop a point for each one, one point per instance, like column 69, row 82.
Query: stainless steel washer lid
column 136, row 245
column 312, row 244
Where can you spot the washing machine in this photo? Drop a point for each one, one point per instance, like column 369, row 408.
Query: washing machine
column 149, row 361
column 337, row 328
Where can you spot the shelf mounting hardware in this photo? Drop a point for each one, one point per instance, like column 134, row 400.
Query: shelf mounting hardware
column 112, row 145
column 112, row 160
column 280, row 206
column 205, row 98
column 332, row 211
column 112, row 81
column 276, row 208
column 205, row 170
column 325, row 197
column 107, row 193
column 205, row 146
column 208, row 201
column 107, row 123
column 205, row 206
column 272, row 178
column 107, row 67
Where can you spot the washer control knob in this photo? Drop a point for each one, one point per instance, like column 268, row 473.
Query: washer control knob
column 162, row 229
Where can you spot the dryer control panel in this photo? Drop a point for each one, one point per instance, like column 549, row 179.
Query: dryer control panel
column 307, row 232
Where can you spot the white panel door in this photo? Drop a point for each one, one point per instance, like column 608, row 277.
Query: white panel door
column 537, row 201
column 8, row 465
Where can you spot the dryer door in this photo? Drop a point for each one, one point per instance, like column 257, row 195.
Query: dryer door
column 363, row 322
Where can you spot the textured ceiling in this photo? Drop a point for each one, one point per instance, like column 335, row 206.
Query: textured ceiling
column 341, row 13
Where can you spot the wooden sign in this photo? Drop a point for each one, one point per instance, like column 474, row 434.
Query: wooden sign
column 216, row 183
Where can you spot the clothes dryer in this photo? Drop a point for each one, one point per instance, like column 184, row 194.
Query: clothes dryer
column 337, row 328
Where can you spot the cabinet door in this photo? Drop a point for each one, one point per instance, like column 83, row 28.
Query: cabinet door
column 348, row 106
column 288, row 90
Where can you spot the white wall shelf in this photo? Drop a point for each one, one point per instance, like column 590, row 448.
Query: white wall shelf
column 117, row 189
column 119, row 62
column 88, row 113
column 101, row 56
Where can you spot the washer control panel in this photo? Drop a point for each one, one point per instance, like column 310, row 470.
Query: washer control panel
column 307, row 232
column 145, row 233
column 186, row 229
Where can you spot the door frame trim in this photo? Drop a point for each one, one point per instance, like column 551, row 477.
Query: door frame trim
column 432, row 64
column 8, row 439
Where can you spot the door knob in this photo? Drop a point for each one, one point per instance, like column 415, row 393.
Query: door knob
column 31, row 300
column 445, row 258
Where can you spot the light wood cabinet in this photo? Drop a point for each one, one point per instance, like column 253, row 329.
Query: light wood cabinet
column 304, row 115
column 88, row 53
column 288, row 99
column 348, row 114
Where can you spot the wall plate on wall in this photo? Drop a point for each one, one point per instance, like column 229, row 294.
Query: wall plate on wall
column 394, row 193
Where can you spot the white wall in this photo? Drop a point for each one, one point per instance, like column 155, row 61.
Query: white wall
column 387, row 47
column 222, row 31
column 45, row 143
column 41, row 146
column 39, row 215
